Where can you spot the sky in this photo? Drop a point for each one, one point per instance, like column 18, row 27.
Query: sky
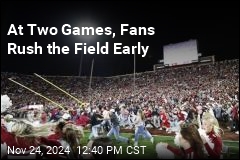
column 214, row 24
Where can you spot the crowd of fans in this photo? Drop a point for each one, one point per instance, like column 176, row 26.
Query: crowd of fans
column 165, row 96
column 184, row 90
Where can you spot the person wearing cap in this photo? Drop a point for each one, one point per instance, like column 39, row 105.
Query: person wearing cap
column 115, row 128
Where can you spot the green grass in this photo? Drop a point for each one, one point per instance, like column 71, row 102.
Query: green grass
column 149, row 150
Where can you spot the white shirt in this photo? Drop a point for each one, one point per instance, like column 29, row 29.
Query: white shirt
column 106, row 114
column 139, row 122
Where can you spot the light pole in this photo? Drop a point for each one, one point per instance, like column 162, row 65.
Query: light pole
column 87, row 39
column 80, row 67
column 91, row 74
column 134, row 73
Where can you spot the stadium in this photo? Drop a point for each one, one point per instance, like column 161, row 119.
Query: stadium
column 178, row 101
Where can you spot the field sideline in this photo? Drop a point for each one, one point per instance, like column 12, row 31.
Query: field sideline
column 149, row 148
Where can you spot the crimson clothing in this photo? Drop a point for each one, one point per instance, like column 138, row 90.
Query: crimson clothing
column 185, row 154
column 165, row 120
column 14, row 142
column 83, row 120
column 55, row 136
column 148, row 113
column 234, row 113
column 180, row 116
column 11, row 140
column 22, row 142
column 214, row 153
column 48, row 150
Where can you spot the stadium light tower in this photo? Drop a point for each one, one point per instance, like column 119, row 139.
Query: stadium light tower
column 86, row 39
column 134, row 74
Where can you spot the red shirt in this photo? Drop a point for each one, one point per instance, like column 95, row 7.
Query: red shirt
column 165, row 120
column 27, row 146
column 214, row 153
column 12, row 140
column 83, row 120
column 180, row 116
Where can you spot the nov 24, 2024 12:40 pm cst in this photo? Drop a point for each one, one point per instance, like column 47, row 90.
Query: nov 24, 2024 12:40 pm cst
column 51, row 150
